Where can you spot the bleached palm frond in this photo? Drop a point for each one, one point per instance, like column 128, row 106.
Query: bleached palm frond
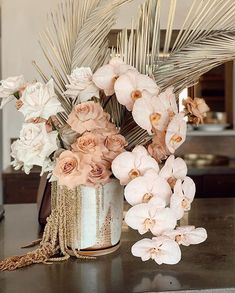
column 205, row 40
column 76, row 36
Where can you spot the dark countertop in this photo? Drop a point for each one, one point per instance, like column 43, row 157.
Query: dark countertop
column 209, row 265
column 212, row 170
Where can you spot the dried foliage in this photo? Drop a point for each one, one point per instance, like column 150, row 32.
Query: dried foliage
column 76, row 36
column 205, row 40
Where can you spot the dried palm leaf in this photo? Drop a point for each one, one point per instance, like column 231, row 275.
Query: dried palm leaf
column 205, row 40
column 76, row 35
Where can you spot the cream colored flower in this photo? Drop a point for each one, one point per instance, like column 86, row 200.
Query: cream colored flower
column 132, row 86
column 106, row 76
column 129, row 165
column 148, row 188
column 34, row 146
column 9, row 87
column 187, row 235
column 184, row 192
column 40, row 101
column 174, row 168
column 158, row 111
column 176, row 132
column 161, row 249
column 81, row 85
column 146, row 217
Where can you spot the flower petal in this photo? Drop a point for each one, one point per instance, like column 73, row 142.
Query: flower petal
column 142, row 249
column 176, row 132
column 122, row 165
column 104, row 79
column 136, row 216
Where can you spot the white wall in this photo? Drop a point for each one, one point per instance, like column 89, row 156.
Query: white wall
column 22, row 20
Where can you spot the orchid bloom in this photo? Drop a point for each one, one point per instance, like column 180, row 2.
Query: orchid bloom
column 161, row 249
column 147, row 188
column 184, row 192
column 187, row 235
column 146, row 217
column 129, row 165
column 174, row 168
column 105, row 77
column 176, row 132
column 158, row 110
column 168, row 99
column 131, row 86
column 149, row 113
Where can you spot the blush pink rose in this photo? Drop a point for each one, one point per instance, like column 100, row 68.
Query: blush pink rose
column 115, row 145
column 87, row 117
column 99, row 174
column 71, row 169
column 90, row 143
column 158, row 149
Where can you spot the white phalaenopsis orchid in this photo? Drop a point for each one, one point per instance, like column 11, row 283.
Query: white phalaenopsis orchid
column 34, row 146
column 187, row 235
column 132, row 86
column 161, row 249
column 151, row 217
column 129, row 165
column 176, row 132
column 184, row 192
column 158, row 110
column 147, row 188
column 40, row 100
column 154, row 115
column 9, row 87
column 106, row 76
column 174, row 168
column 81, row 85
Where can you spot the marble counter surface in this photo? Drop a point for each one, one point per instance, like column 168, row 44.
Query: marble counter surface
column 210, row 265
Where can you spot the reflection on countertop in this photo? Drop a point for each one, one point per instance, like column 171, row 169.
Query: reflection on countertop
column 210, row 265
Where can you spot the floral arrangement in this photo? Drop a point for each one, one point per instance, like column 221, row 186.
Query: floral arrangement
column 91, row 148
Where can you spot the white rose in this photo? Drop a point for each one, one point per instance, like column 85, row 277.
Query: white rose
column 40, row 101
column 34, row 147
column 81, row 85
column 9, row 87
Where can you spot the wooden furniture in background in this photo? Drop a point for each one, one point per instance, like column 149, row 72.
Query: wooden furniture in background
column 19, row 187
column 216, row 87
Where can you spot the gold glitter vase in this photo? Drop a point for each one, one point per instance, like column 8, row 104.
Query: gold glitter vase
column 93, row 217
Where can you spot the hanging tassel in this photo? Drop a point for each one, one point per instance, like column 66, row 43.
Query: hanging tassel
column 40, row 255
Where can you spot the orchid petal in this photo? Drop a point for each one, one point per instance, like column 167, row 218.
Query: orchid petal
column 176, row 132
column 122, row 165
column 104, row 79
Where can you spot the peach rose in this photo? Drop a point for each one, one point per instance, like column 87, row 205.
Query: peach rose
column 157, row 149
column 196, row 109
column 90, row 143
column 99, row 174
column 71, row 169
column 115, row 145
column 87, row 116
